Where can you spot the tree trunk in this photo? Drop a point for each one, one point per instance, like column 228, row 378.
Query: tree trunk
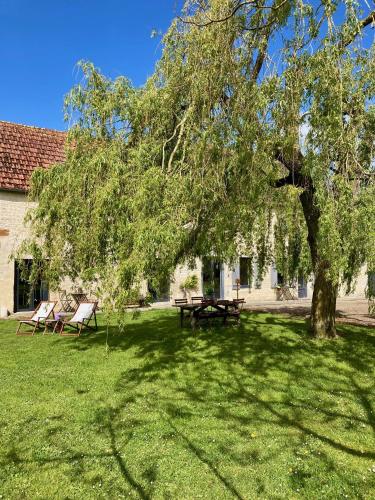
column 323, row 307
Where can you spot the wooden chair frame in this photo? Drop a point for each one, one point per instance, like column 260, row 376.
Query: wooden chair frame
column 237, row 309
column 40, row 323
column 78, row 326
column 195, row 299
column 285, row 293
column 182, row 302
column 79, row 297
column 66, row 301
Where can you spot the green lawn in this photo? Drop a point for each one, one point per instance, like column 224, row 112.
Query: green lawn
column 257, row 411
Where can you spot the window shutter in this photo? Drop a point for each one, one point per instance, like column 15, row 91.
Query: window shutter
column 254, row 278
column 235, row 274
column 273, row 276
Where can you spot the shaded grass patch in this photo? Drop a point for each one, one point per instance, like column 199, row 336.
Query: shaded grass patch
column 164, row 412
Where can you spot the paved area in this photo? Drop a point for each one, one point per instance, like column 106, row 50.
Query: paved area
column 348, row 310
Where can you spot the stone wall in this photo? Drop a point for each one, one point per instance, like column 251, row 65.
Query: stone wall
column 264, row 292
column 13, row 207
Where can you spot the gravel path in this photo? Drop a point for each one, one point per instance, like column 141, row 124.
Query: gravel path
column 354, row 311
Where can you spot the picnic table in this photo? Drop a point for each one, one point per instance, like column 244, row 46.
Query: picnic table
column 207, row 309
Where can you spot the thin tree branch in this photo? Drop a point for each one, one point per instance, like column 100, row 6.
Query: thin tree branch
column 261, row 54
column 180, row 124
column 362, row 24
column 220, row 20
column 239, row 5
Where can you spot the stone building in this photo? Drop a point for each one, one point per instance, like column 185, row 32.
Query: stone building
column 24, row 148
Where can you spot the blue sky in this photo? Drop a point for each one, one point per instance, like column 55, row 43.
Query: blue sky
column 42, row 40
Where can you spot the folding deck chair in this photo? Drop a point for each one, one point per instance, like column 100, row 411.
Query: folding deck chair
column 66, row 301
column 39, row 318
column 81, row 319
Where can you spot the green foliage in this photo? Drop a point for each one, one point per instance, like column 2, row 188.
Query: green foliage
column 190, row 283
column 189, row 164
column 209, row 291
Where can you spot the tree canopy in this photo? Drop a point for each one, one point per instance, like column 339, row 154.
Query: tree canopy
column 254, row 135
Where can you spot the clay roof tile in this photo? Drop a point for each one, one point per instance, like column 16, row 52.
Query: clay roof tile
column 23, row 149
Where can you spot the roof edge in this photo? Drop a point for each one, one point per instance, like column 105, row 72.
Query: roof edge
column 34, row 127
column 13, row 190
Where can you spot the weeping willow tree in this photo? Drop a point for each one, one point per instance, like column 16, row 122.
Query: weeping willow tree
column 255, row 134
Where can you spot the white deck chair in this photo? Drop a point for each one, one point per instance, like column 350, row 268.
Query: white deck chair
column 38, row 320
column 81, row 319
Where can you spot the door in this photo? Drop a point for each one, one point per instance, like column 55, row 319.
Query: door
column 26, row 296
column 212, row 277
column 302, row 288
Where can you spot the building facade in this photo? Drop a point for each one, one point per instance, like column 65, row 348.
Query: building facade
column 24, row 148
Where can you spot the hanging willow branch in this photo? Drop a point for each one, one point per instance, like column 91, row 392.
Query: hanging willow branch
column 180, row 126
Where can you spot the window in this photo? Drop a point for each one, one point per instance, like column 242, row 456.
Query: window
column 245, row 273
column 211, row 277
column 27, row 295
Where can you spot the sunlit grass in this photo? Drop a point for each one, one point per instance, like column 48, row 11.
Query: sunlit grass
column 237, row 412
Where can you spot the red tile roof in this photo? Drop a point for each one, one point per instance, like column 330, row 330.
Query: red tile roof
column 23, row 149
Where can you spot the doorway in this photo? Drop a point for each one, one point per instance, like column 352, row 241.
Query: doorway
column 161, row 293
column 212, row 277
column 26, row 296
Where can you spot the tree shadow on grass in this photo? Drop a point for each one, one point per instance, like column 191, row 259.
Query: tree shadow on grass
column 76, row 459
column 266, row 373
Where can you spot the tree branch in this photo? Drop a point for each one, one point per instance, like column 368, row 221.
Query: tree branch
column 362, row 24
column 368, row 20
column 258, row 65
column 220, row 20
column 294, row 166
column 180, row 124
column 284, row 181
column 239, row 5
